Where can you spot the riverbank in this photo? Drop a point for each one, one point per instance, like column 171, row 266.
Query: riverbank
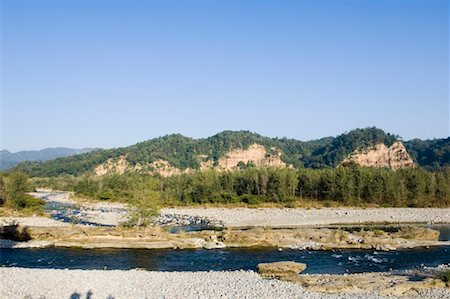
column 97, row 225
column 113, row 214
column 64, row 207
column 286, row 217
column 155, row 237
column 141, row 284
column 51, row 283
column 415, row 283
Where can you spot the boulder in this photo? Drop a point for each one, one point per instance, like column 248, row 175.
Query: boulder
column 280, row 269
column 214, row 245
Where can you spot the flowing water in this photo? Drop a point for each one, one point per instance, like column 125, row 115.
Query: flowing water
column 71, row 213
column 339, row 261
column 444, row 231
column 333, row 262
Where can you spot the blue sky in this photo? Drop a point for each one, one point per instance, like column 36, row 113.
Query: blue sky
column 112, row 73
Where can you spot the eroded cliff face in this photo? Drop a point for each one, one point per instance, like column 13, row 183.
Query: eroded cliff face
column 380, row 156
column 120, row 166
column 163, row 168
column 255, row 154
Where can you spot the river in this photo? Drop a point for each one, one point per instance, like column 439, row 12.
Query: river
column 333, row 262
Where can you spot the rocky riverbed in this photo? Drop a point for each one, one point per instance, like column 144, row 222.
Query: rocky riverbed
column 52, row 283
column 97, row 225
column 415, row 283
column 286, row 217
column 155, row 237
column 241, row 227
column 63, row 207
column 172, row 219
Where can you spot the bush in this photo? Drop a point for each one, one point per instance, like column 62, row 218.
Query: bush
column 15, row 186
column 26, row 201
column 13, row 190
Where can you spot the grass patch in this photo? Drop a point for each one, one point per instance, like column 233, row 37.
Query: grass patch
column 446, row 277
column 6, row 211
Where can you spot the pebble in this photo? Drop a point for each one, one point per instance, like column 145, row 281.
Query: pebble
column 276, row 217
column 53, row 283
column 185, row 220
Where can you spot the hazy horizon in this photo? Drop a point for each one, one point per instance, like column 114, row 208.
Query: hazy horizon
column 113, row 73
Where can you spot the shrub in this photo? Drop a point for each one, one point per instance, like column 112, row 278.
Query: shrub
column 446, row 277
column 26, row 201
column 14, row 188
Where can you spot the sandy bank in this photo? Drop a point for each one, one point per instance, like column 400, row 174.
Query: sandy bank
column 275, row 217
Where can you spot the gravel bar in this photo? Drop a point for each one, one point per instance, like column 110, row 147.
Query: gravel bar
column 52, row 283
column 285, row 217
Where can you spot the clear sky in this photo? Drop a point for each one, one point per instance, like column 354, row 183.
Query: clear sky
column 109, row 73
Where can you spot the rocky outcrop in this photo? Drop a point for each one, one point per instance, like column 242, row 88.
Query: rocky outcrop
column 119, row 166
column 325, row 238
column 205, row 162
column 185, row 220
column 122, row 166
column 159, row 237
column 280, row 269
column 397, row 284
column 380, row 156
column 163, row 168
column 255, row 154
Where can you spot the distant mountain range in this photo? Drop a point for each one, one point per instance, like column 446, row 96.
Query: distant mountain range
column 174, row 154
column 9, row 160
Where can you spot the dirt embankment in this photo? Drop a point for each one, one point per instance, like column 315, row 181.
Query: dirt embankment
column 380, row 156
column 255, row 154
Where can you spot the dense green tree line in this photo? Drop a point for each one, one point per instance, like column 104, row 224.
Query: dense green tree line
column 341, row 186
column 183, row 152
column 349, row 186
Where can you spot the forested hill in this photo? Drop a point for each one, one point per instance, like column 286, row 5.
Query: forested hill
column 183, row 152
column 432, row 154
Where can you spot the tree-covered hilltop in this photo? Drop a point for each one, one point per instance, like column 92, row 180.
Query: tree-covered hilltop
column 431, row 154
column 184, row 152
column 343, row 145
